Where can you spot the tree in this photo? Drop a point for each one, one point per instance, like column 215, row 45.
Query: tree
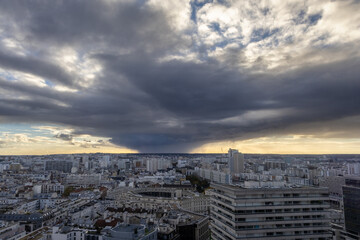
column 200, row 184
column 68, row 190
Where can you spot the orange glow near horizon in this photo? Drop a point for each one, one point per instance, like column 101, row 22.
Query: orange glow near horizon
column 285, row 145
column 65, row 149
column 265, row 145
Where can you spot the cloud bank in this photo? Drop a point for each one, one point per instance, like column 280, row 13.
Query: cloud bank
column 171, row 76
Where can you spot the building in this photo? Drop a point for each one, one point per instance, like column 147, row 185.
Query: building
column 49, row 188
column 83, row 179
column 197, row 204
column 198, row 229
column 30, row 221
column 236, row 161
column 66, row 233
column 274, row 165
column 58, row 165
column 351, row 198
column 353, row 168
column 15, row 167
column 334, row 183
column 12, row 231
column 131, row 232
column 166, row 232
column 43, row 233
column 215, row 176
column 105, row 161
column 269, row 213
column 153, row 165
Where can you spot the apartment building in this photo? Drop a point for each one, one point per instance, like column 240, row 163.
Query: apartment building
column 269, row 213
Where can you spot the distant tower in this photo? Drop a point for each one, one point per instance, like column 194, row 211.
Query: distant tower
column 236, row 161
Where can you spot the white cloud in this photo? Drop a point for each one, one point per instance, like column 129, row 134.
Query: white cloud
column 289, row 33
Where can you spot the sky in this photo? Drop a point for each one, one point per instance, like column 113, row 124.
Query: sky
column 179, row 76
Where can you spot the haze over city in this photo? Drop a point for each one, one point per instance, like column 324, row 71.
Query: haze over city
column 179, row 76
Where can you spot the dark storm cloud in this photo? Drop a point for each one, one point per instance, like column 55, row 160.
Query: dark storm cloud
column 64, row 136
column 37, row 67
column 199, row 96
column 151, row 105
column 85, row 24
column 188, row 89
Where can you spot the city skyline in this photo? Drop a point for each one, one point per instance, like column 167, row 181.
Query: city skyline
column 179, row 76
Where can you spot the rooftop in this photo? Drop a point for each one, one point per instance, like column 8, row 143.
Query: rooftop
column 267, row 188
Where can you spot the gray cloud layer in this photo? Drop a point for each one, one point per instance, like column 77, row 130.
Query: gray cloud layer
column 164, row 88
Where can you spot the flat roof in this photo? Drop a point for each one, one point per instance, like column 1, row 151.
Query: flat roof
column 281, row 188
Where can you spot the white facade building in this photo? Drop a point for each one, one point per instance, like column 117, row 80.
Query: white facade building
column 236, row 161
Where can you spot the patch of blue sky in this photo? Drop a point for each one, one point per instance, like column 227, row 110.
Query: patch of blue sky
column 300, row 17
column 221, row 44
column 14, row 127
column 216, row 27
column 23, row 128
column 224, row 2
column 314, row 18
column 8, row 76
column 49, row 83
column 303, row 18
column 262, row 33
column 195, row 6
column 274, row 43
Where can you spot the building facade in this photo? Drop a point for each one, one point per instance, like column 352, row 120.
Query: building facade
column 351, row 196
column 58, row 165
column 236, row 161
column 195, row 230
column 269, row 213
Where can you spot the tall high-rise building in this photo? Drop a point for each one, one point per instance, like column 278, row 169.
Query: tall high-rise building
column 236, row 161
column 269, row 213
column 351, row 198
